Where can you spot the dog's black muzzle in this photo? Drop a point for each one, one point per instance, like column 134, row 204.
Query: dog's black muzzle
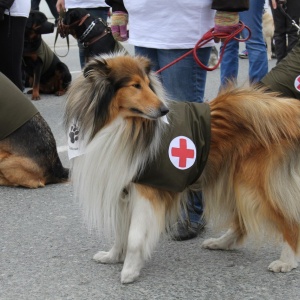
column 46, row 27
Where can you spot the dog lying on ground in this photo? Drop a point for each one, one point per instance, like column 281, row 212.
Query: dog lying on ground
column 28, row 155
column 43, row 70
column 268, row 32
column 246, row 161
column 93, row 33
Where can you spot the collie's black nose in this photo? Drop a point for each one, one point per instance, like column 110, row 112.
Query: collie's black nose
column 164, row 110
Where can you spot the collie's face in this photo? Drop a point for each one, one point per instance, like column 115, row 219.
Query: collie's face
column 129, row 85
column 111, row 87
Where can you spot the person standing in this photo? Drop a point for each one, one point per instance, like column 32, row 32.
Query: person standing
column 35, row 5
column 13, row 18
column 164, row 31
column 255, row 46
column 285, row 35
column 97, row 8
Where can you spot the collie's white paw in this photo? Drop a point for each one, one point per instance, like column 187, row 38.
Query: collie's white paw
column 280, row 266
column 214, row 244
column 106, row 258
column 129, row 276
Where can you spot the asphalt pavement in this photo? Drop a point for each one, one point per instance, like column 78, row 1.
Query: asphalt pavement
column 46, row 249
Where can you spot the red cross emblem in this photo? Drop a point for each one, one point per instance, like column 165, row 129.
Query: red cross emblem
column 297, row 83
column 182, row 152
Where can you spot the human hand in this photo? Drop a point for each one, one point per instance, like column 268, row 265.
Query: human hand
column 225, row 23
column 119, row 21
column 275, row 3
column 60, row 5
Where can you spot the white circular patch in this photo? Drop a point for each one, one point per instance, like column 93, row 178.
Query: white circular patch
column 297, row 83
column 182, row 152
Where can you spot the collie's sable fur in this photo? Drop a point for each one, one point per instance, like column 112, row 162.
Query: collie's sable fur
column 251, row 182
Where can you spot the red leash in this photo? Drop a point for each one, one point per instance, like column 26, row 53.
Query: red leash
column 207, row 37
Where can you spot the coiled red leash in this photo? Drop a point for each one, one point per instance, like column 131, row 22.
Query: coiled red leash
column 207, row 37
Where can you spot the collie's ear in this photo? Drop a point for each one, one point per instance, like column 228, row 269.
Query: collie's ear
column 145, row 63
column 98, row 66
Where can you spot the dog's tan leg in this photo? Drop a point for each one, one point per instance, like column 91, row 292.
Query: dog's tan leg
column 286, row 262
column 269, row 47
column 227, row 241
column 146, row 225
column 288, row 258
column 21, row 171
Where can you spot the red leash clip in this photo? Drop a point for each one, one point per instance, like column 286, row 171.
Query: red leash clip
column 207, row 37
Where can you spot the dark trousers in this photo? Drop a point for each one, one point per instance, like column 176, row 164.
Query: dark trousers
column 52, row 6
column 12, row 31
column 285, row 34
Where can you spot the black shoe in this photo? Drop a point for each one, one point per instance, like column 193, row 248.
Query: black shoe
column 187, row 231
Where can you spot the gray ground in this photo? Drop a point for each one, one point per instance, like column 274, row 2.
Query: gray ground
column 46, row 250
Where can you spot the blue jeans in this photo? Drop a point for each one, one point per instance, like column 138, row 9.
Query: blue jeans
column 184, row 81
column 256, row 47
column 97, row 12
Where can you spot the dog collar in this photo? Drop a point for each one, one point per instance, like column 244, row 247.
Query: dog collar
column 89, row 29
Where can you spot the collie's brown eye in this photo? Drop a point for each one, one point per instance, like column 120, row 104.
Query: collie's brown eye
column 137, row 86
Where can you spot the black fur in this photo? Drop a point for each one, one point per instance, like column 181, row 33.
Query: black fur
column 106, row 44
column 53, row 80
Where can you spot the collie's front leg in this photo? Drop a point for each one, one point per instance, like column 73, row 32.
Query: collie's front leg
column 145, row 228
column 227, row 241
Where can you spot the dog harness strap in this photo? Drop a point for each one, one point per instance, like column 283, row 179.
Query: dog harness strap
column 15, row 108
column 184, row 149
column 96, row 38
column 89, row 29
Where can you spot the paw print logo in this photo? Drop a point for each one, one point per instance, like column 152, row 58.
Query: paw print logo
column 74, row 131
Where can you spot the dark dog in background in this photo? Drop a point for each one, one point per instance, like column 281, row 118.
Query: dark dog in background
column 43, row 71
column 28, row 154
column 93, row 33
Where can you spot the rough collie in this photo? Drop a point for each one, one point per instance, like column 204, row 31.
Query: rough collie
column 249, row 148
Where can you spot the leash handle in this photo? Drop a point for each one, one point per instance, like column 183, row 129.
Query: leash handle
column 207, row 37
column 62, row 14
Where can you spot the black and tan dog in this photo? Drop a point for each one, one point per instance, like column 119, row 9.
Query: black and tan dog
column 28, row 155
column 43, row 70
column 93, row 33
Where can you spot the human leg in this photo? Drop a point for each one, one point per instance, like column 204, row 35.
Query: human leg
column 97, row 12
column 12, row 31
column 150, row 53
column 35, row 4
column 52, row 7
column 184, row 81
column 230, row 63
column 292, row 8
column 279, row 34
column 257, row 52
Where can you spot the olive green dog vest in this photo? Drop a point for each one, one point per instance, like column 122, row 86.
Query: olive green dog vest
column 184, row 148
column 15, row 108
column 285, row 77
